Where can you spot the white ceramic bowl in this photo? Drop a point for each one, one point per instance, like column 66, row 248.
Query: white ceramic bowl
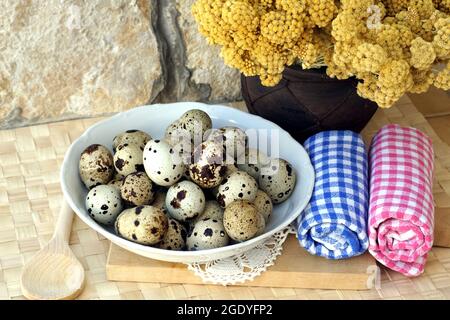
column 154, row 119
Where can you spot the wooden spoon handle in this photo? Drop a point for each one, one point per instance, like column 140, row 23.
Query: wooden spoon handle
column 64, row 223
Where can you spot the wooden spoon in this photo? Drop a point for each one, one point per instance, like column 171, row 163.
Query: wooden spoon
column 54, row 273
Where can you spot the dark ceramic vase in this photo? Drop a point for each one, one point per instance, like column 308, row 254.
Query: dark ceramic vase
column 308, row 101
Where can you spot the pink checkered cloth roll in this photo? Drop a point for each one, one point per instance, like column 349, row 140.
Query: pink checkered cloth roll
column 401, row 209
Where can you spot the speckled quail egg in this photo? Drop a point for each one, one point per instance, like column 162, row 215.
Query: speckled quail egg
column 264, row 204
column 252, row 162
column 198, row 115
column 175, row 237
column 137, row 189
column 242, row 220
column 233, row 139
column 159, row 200
column 237, row 186
column 173, row 132
column 144, row 224
column 212, row 211
column 116, row 183
column 103, row 204
column 162, row 164
column 194, row 122
column 118, row 176
column 207, row 168
column 230, row 169
column 261, row 225
column 128, row 159
column 135, row 137
column 279, row 183
column 185, row 200
column 207, row 234
column 96, row 166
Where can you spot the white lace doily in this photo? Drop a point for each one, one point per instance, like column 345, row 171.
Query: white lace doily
column 243, row 267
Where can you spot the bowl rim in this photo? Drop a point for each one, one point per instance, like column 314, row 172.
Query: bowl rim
column 136, row 247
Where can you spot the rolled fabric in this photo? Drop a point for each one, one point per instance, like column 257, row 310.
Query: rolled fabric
column 401, row 210
column 333, row 225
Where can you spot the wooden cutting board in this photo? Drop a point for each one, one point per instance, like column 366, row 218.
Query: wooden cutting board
column 295, row 268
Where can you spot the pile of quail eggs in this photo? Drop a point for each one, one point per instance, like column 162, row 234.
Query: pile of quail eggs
column 152, row 196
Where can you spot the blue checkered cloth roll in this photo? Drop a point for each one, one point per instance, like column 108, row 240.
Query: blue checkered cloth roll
column 334, row 224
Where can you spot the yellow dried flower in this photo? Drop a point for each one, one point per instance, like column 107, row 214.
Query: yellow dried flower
column 395, row 6
column 395, row 39
column 369, row 58
column 410, row 18
column 335, row 71
column 442, row 79
column 240, row 15
column 210, row 24
column 270, row 80
column 443, row 5
column 346, row 28
column 423, row 7
column 289, row 5
column 422, row 54
column 266, row 4
column 241, row 60
column 368, row 87
column 281, row 26
column 269, row 57
column 343, row 55
column 427, row 25
column 395, row 74
column 441, row 41
column 310, row 53
column 321, row 11
column 422, row 80
column 394, row 56
column 356, row 7
column 385, row 97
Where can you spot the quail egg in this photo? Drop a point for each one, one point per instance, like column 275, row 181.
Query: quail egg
column 96, row 166
column 279, row 183
column 212, row 211
column 252, row 162
column 207, row 234
column 208, row 168
column 185, row 200
column 116, row 183
column 144, row 224
column 237, row 186
column 195, row 117
column 128, row 159
column 137, row 189
column 242, row 220
column 264, row 204
column 103, row 204
column 261, row 225
column 175, row 237
column 159, row 200
column 193, row 124
column 230, row 169
column 233, row 139
column 134, row 137
column 162, row 164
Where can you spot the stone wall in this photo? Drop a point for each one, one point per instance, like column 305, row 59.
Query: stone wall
column 63, row 59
